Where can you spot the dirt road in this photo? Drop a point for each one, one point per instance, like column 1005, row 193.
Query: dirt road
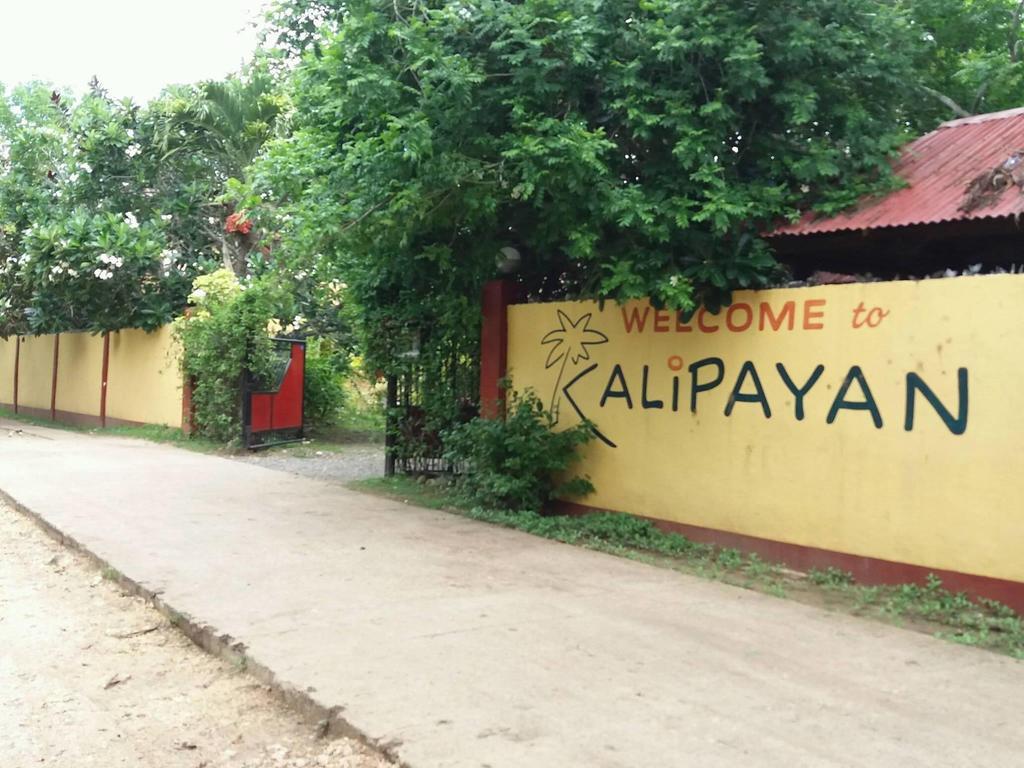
column 92, row 677
column 452, row 642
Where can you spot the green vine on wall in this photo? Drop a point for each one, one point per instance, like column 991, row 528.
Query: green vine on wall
column 225, row 336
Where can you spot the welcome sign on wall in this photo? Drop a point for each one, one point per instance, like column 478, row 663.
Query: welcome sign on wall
column 877, row 419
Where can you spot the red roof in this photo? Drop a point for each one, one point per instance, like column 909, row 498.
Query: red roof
column 937, row 168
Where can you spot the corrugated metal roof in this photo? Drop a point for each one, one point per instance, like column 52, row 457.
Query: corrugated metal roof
column 937, row 168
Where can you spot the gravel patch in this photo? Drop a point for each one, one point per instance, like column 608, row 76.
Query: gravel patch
column 341, row 464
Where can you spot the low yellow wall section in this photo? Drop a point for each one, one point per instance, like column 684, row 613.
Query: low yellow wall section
column 145, row 383
column 79, row 373
column 143, row 376
column 35, row 380
column 881, row 420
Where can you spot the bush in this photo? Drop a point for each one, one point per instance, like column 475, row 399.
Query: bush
column 225, row 335
column 325, row 391
column 517, row 463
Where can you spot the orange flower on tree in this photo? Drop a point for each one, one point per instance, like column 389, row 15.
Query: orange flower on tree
column 236, row 223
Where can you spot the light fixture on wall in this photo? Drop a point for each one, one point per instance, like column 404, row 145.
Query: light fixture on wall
column 508, row 260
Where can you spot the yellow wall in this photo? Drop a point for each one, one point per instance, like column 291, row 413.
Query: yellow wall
column 35, row 380
column 144, row 380
column 7, row 353
column 143, row 377
column 79, row 373
column 926, row 496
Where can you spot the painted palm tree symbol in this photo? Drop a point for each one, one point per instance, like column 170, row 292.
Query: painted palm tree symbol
column 569, row 345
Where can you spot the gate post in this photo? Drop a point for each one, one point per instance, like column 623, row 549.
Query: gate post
column 390, row 426
column 497, row 296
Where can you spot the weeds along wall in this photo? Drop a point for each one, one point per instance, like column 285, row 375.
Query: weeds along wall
column 127, row 377
column 875, row 427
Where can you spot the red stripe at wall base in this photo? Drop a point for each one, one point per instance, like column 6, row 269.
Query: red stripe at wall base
column 73, row 418
column 866, row 570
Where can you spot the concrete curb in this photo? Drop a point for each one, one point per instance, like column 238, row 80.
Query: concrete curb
column 327, row 720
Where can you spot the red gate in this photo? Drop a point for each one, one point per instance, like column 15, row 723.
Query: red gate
column 276, row 415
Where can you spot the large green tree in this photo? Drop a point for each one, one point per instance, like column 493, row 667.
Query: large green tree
column 97, row 231
column 969, row 58
column 225, row 124
column 294, row 26
column 624, row 149
column 109, row 210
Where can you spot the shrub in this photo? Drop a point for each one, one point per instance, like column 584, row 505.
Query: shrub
column 225, row 335
column 517, row 463
column 325, row 392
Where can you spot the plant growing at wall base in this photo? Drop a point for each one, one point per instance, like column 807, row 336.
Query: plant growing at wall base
column 225, row 336
column 518, row 463
column 325, row 391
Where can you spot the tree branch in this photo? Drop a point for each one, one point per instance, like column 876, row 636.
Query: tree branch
column 980, row 96
column 1012, row 40
column 952, row 105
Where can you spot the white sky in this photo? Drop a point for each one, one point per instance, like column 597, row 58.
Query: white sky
column 136, row 47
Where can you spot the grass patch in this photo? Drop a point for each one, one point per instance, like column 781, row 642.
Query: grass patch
column 361, row 419
column 928, row 608
column 167, row 435
column 37, row 421
column 153, row 432
column 961, row 619
column 322, row 442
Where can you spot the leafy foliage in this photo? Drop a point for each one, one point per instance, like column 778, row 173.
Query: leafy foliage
column 294, row 26
column 626, row 149
column 223, row 338
column 969, row 58
column 225, row 123
column 517, row 463
column 97, row 230
column 325, row 391
column 623, row 149
column 108, row 211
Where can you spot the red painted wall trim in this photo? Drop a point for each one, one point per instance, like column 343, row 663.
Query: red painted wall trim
column 17, row 367
column 103, row 378
column 866, row 570
column 53, row 388
column 497, row 295
column 78, row 419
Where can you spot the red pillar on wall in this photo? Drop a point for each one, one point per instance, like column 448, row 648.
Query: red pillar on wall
column 17, row 366
column 103, row 379
column 53, row 388
column 497, row 295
